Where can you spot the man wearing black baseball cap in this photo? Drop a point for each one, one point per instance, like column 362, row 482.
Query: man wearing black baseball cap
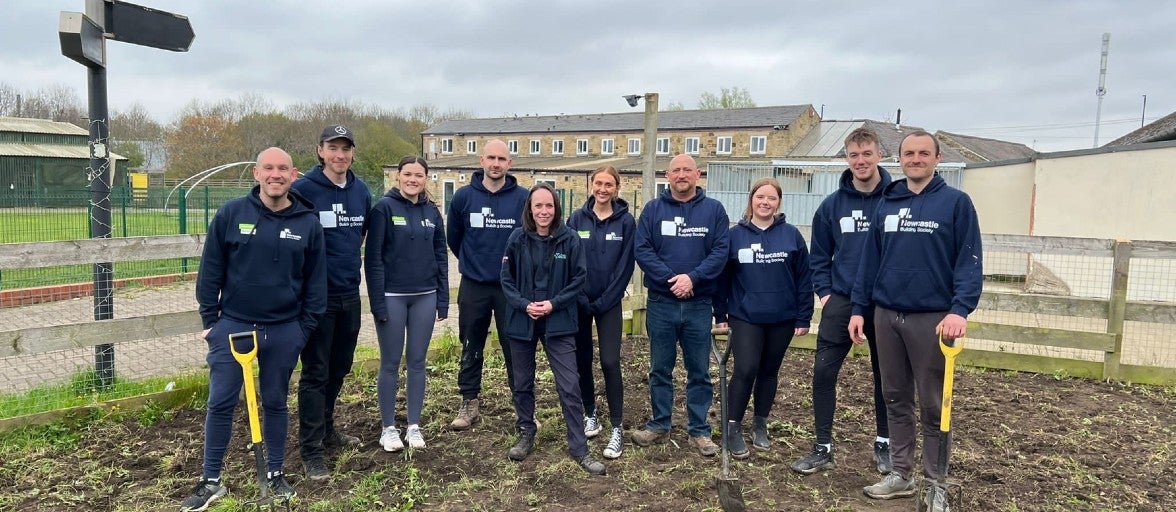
column 342, row 201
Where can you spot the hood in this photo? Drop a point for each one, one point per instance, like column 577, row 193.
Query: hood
column 394, row 194
column 300, row 204
column 699, row 195
column 776, row 222
column 847, row 183
column 620, row 206
column 476, row 182
column 317, row 175
column 559, row 235
column 898, row 189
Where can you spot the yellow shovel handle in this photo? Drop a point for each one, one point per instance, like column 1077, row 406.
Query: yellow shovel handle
column 246, row 360
column 949, row 356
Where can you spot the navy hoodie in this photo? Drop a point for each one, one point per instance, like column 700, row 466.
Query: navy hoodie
column 608, row 252
column 561, row 261
column 341, row 212
column 405, row 251
column 480, row 221
column 675, row 237
column 767, row 279
column 840, row 228
column 262, row 266
column 923, row 253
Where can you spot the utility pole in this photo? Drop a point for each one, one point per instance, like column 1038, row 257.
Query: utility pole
column 1143, row 114
column 647, row 175
column 1102, row 84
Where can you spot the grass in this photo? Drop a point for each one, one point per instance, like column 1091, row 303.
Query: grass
column 83, row 389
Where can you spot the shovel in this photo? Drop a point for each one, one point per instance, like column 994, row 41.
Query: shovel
column 246, row 360
column 941, row 485
column 730, row 492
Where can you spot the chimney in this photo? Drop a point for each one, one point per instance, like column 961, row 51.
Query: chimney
column 898, row 120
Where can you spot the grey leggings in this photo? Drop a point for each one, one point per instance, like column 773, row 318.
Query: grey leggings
column 414, row 315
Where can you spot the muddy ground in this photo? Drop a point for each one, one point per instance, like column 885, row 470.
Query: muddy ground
column 1023, row 442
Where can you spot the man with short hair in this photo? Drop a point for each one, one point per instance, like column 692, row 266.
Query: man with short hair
column 921, row 269
column 839, row 232
column 682, row 242
column 263, row 271
column 342, row 201
column 480, row 218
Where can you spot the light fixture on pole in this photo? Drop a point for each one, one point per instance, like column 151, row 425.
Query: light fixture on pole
column 650, row 142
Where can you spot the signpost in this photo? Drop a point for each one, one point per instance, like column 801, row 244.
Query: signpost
column 83, row 39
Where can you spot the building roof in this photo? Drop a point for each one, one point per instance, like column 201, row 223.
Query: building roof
column 827, row 140
column 980, row 149
column 28, row 125
column 565, row 163
column 1161, row 129
column 48, row 151
column 757, row 117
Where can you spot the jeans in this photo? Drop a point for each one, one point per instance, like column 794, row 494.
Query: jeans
column 686, row 323
column 326, row 360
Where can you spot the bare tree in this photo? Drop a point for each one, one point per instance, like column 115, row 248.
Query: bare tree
column 734, row 97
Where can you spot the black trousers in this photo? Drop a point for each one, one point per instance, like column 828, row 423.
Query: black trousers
column 758, row 350
column 833, row 344
column 326, row 360
column 561, row 355
column 608, row 331
column 475, row 303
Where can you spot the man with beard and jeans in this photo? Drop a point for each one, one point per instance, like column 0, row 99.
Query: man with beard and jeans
column 921, row 269
column 342, row 201
column 480, row 219
column 839, row 232
column 682, row 243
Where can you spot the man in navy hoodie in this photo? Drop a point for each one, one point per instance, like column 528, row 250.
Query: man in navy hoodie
column 263, row 270
column 342, row 201
column 921, row 270
column 839, row 232
column 480, row 219
column 682, row 243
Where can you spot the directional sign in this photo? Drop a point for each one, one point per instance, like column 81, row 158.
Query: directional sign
column 81, row 39
column 145, row 26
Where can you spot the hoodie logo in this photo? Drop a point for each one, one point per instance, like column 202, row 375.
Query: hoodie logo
column 428, row 224
column 584, row 234
column 755, row 254
column 857, row 222
column 561, row 256
column 613, row 237
column 398, row 220
column 246, row 229
column 903, row 223
column 678, row 227
column 338, row 209
column 288, row 235
column 485, row 219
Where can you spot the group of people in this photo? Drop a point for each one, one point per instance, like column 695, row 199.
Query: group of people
column 284, row 261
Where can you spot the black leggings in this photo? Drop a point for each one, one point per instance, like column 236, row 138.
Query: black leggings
column 758, row 350
column 608, row 328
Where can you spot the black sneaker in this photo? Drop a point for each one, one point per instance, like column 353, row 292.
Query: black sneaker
column 336, row 439
column 316, row 469
column 820, row 458
column 205, row 492
column 522, row 447
column 592, row 466
column 279, row 487
column 882, row 457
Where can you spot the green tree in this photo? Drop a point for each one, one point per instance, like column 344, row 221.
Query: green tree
column 734, row 97
column 132, row 151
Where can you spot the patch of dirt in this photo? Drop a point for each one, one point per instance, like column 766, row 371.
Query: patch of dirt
column 1022, row 442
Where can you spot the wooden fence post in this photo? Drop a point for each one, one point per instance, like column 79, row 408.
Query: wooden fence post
column 1121, row 267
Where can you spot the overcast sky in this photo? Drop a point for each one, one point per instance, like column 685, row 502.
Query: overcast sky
column 1013, row 70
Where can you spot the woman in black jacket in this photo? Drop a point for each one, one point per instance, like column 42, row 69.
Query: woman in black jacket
column 543, row 273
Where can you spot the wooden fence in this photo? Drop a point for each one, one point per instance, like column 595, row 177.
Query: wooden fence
column 1115, row 310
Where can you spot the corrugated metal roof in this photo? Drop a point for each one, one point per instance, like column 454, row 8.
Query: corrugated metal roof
column 626, row 121
column 28, row 125
column 826, row 140
column 48, row 151
column 984, row 149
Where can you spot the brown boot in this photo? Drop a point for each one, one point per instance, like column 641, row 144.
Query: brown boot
column 467, row 415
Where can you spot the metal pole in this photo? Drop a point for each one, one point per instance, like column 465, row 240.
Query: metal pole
column 1102, row 84
column 100, row 219
column 647, row 175
column 1143, row 114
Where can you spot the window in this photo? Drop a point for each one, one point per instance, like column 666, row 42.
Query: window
column 447, row 146
column 722, row 145
column 550, row 183
column 661, row 186
column 606, row 146
column 759, row 144
column 581, row 146
column 634, row 146
column 513, row 146
column 447, row 188
column 534, row 147
column 663, row 146
column 557, row 147
column 471, row 147
column 691, row 145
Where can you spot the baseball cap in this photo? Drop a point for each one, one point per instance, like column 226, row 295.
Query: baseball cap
column 336, row 131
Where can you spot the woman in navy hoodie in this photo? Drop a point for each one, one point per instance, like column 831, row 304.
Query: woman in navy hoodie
column 606, row 229
column 407, row 272
column 767, row 293
column 542, row 276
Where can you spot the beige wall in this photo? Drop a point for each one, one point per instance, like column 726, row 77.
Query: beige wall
column 1003, row 197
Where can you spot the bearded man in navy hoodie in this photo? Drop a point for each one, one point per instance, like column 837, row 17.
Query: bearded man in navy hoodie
column 263, row 270
column 342, row 201
column 682, row 243
column 921, row 270
column 480, row 219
